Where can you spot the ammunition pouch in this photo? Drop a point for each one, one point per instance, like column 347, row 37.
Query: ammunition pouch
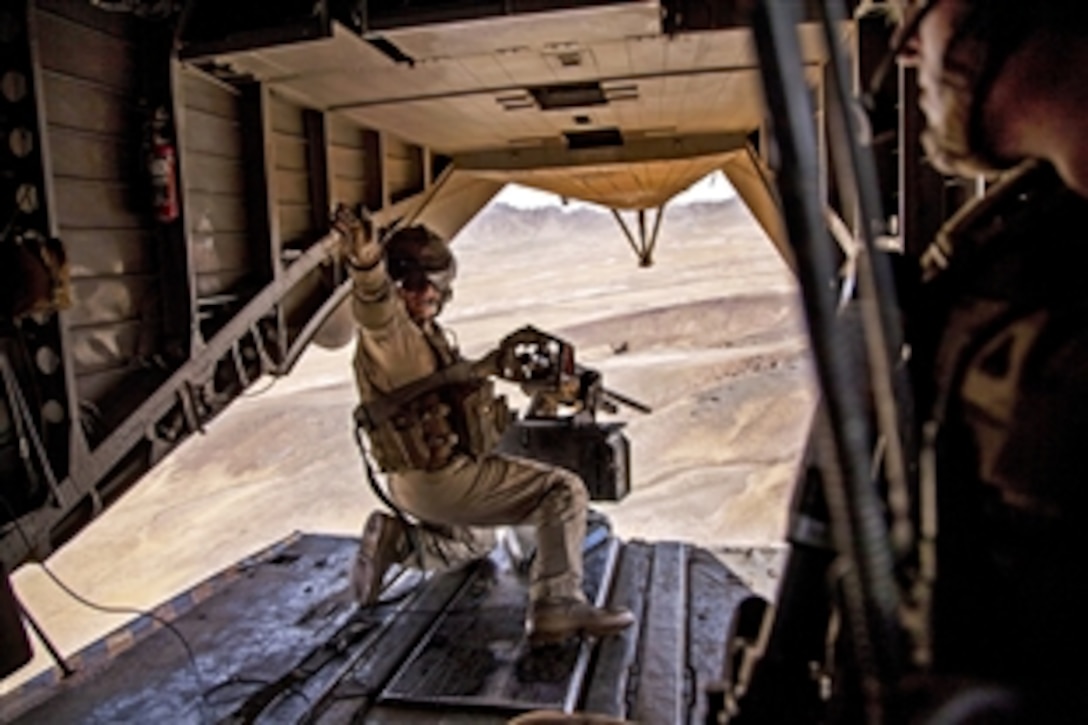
column 422, row 425
column 415, row 437
column 484, row 415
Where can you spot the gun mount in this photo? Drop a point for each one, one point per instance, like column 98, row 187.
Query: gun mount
column 559, row 425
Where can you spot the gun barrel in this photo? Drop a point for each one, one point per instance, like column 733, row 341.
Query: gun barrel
column 624, row 400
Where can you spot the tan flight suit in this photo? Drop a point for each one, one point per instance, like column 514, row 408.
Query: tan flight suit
column 492, row 490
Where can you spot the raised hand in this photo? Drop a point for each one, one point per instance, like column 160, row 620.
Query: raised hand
column 359, row 244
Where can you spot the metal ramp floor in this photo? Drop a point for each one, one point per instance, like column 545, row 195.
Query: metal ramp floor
column 276, row 639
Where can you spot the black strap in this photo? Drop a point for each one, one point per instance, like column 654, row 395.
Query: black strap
column 372, row 481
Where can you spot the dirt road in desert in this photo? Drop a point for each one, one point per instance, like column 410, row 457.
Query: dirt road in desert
column 710, row 337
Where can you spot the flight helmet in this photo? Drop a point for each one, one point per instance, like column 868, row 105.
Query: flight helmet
column 415, row 257
column 988, row 32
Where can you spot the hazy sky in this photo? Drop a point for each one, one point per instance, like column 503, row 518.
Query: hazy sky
column 713, row 187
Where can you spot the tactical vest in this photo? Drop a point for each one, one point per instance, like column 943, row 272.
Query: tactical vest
column 422, row 425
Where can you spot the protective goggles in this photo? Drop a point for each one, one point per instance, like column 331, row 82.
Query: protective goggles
column 911, row 13
column 418, row 279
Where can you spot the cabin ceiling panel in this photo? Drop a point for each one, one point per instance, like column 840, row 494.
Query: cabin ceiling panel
column 343, row 50
column 617, row 43
column 682, row 52
column 694, row 102
column 524, row 66
column 581, row 26
column 646, row 54
column 728, row 102
column 488, row 70
column 473, row 85
column 345, row 70
column 602, row 60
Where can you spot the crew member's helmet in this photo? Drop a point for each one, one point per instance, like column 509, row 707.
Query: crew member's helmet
column 415, row 257
column 988, row 33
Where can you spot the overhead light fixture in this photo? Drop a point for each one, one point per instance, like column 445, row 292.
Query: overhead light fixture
column 516, row 102
column 568, row 95
column 597, row 138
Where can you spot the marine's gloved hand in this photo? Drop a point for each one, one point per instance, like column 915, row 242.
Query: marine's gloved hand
column 359, row 245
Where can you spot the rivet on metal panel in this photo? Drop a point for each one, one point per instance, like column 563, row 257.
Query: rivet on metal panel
column 26, row 198
column 53, row 411
column 13, row 86
column 47, row 360
column 21, row 142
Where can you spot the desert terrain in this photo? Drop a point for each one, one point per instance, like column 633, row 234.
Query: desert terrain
column 710, row 337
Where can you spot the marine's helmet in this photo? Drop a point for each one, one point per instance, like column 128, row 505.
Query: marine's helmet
column 415, row 256
column 987, row 33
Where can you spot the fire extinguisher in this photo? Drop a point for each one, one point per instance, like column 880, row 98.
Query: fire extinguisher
column 162, row 164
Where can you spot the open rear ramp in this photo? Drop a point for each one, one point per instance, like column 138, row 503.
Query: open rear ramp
column 277, row 639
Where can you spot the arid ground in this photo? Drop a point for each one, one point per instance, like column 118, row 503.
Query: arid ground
column 710, row 337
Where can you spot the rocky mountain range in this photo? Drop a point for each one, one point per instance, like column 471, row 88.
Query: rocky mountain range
column 513, row 226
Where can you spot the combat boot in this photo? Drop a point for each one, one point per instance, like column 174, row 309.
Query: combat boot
column 384, row 543
column 554, row 620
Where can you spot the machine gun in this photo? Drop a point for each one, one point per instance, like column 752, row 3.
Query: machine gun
column 544, row 366
column 559, row 425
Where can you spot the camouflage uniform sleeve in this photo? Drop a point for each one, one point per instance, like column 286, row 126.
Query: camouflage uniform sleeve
column 392, row 350
column 373, row 303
